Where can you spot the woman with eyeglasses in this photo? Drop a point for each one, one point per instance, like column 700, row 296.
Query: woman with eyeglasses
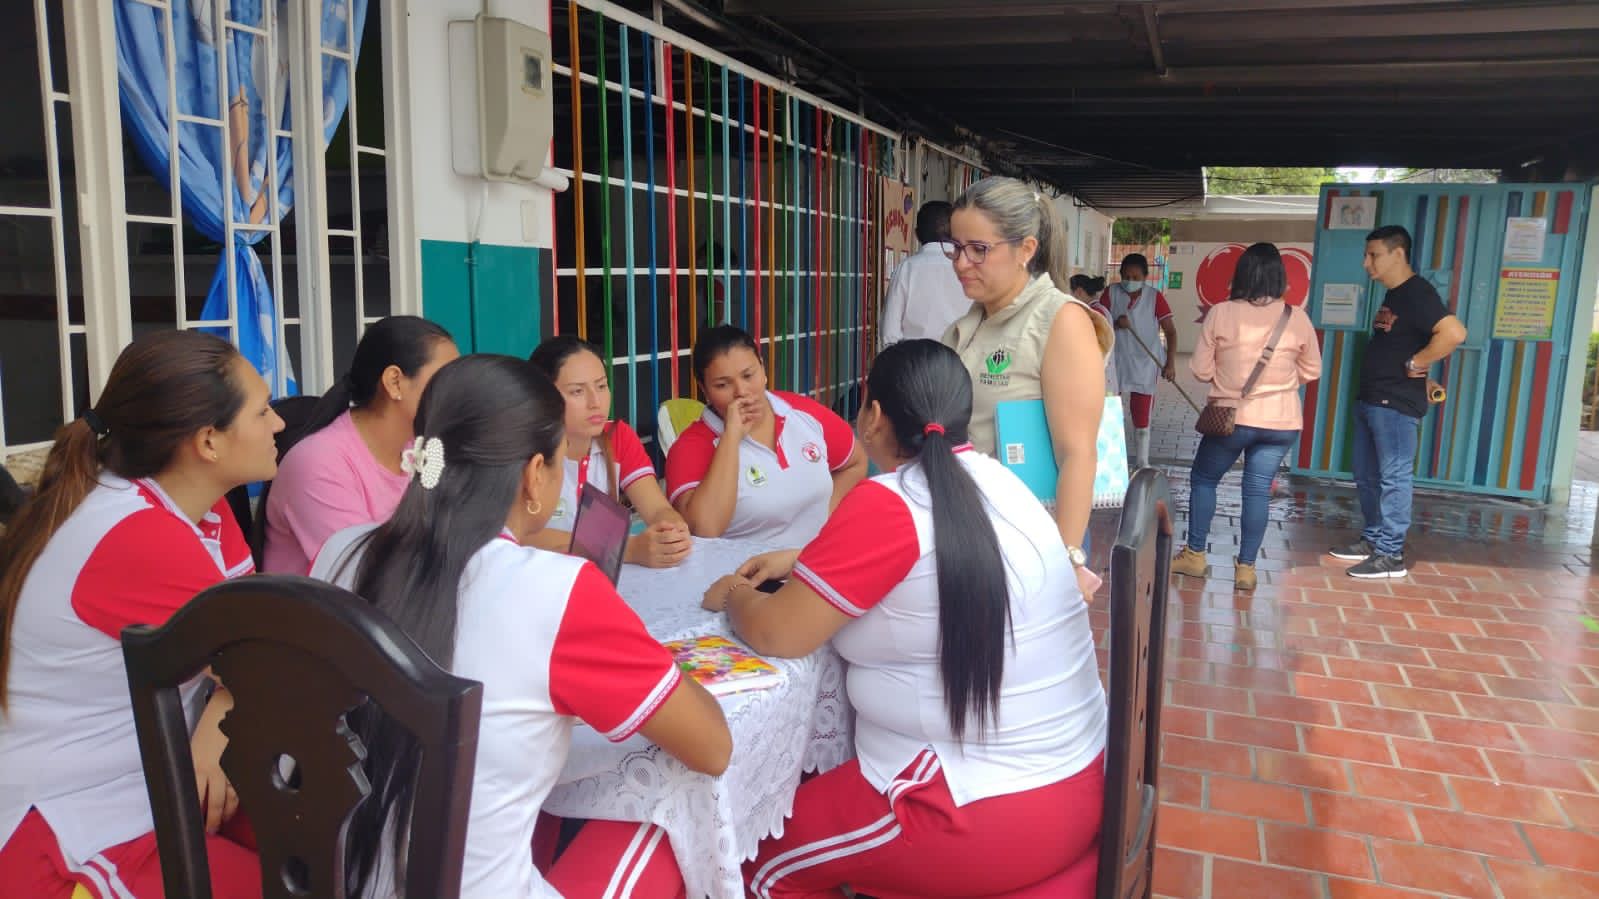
column 1025, row 338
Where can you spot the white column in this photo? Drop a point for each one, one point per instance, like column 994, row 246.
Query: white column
column 310, row 198
column 405, row 250
column 90, row 30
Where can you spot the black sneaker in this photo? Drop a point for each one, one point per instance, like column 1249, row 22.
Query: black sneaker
column 1359, row 551
column 1380, row 566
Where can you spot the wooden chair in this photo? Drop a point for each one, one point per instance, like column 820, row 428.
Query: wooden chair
column 1140, row 570
column 298, row 655
column 1140, row 578
column 12, row 496
column 294, row 410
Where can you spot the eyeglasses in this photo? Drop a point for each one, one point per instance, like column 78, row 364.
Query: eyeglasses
column 974, row 250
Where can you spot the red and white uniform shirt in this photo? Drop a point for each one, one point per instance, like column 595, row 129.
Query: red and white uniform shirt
column 628, row 457
column 783, row 495
column 874, row 561
column 551, row 642
column 126, row 555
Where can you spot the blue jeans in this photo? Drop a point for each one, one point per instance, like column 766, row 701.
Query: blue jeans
column 1263, row 450
column 1385, row 470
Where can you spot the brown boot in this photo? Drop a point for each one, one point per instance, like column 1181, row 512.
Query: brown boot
column 1244, row 577
column 1191, row 563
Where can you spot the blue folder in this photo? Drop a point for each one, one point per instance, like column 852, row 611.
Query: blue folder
column 1024, row 446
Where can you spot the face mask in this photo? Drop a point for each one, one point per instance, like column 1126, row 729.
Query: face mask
column 1133, row 286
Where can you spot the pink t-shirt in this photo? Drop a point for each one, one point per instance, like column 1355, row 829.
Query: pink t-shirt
column 328, row 482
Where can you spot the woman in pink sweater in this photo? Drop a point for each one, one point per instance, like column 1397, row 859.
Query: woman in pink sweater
column 1267, row 421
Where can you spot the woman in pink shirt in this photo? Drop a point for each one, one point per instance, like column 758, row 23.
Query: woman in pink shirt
column 343, row 467
column 1231, row 343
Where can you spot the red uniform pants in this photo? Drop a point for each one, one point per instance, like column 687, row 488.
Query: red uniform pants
column 914, row 843
column 1140, row 405
column 31, row 864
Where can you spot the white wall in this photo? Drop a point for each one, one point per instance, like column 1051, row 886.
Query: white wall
column 1213, row 262
column 447, row 205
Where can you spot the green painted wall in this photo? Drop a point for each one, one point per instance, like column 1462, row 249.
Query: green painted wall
column 497, row 311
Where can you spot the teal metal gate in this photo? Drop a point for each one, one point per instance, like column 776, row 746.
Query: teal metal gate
column 1505, row 259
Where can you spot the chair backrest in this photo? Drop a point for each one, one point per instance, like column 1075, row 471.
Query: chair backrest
column 295, row 412
column 298, row 655
column 674, row 417
column 11, row 497
column 1140, row 575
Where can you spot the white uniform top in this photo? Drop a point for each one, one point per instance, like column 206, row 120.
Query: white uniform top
column 551, row 642
column 924, row 297
column 782, row 495
column 628, row 457
column 126, row 555
column 875, row 561
column 1135, row 370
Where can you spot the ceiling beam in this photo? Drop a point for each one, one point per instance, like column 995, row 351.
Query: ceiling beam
column 1291, row 24
column 1383, row 74
column 1152, row 31
column 893, row 10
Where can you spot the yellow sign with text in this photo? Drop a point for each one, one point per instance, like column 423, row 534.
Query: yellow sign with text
column 1526, row 306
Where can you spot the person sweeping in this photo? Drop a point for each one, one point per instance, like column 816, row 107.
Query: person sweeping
column 1140, row 311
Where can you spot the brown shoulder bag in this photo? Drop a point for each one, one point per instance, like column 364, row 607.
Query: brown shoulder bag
column 1217, row 420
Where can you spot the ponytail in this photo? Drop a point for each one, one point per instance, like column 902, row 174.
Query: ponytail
column 404, row 341
column 163, row 388
column 973, row 600
column 1052, row 256
column 926, row 394
column 329, row 406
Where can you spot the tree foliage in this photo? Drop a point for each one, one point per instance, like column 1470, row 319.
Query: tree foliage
column 1140, row 232
column 1254, row 179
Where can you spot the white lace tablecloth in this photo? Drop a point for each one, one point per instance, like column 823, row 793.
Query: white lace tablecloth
column 714, row 823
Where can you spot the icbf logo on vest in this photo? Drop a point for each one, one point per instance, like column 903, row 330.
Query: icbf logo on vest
column 995, row 368
column 811, row 452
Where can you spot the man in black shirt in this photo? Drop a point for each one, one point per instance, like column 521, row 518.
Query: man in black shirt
column 1411, row 332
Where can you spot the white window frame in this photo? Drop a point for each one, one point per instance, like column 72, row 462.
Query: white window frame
column 90, row 31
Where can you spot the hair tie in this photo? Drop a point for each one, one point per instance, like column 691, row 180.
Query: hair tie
column 424, row 459
column 95, row 423
column 931, row 428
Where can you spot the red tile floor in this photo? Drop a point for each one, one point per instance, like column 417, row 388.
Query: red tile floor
column 1333, row 739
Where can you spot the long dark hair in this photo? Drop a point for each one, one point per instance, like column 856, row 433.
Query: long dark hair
column 549, row 357
column 405, row 341
column 922, row 382
column 163, row 388
column 492, row 414
column 1260, row 277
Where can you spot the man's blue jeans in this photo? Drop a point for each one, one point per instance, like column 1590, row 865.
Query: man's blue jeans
column 1385, row 470
column 1263, row 450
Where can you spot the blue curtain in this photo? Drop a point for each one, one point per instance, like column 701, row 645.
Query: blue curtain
column 204, row 165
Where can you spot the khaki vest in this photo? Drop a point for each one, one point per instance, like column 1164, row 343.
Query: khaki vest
column 1005, row 353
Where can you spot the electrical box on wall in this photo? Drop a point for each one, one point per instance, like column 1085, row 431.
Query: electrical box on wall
column 501, row 111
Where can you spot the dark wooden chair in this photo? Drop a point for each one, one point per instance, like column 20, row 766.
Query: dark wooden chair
column 295, row 411
column 12, row 496
column 298, row 655
column 1140, row 576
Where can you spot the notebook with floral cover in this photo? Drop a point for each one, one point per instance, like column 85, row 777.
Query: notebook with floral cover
column 722, row 666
